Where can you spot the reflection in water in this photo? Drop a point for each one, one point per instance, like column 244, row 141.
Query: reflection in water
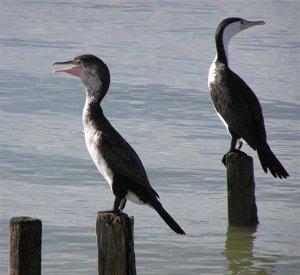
column 238, row 251
column 159, row 53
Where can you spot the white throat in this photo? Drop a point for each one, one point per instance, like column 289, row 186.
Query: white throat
column 230, row 31
column 91, row 82
column 212, row 72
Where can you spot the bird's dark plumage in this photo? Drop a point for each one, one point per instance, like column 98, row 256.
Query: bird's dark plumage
column 236, row 103
column 115, row 159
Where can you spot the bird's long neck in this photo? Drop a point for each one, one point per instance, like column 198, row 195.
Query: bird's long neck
column 96, row 88
column 222, row 42
column 92, row 112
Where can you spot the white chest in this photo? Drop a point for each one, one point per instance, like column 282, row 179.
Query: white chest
column 92, row 140
column 212, row 73
column 211, row 79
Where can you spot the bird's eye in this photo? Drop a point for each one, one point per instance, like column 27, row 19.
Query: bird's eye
column 242, row 22
column 77, row 61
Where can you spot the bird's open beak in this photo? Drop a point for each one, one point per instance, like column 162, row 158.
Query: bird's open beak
column 73, row 70
column 247, row 24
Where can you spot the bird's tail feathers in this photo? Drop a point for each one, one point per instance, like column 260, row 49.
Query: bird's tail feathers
column 167, row 218
column 269, row 161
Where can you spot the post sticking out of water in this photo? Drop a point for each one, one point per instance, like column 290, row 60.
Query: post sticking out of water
column 25, row 236
column 242, row 208
column 115, row 244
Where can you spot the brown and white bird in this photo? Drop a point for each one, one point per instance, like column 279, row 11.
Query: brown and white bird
column 115, row 159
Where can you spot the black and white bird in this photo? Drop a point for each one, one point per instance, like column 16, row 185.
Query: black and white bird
column 115, row 159
column 235, row 102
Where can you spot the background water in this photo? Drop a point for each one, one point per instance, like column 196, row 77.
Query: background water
column 159, row 53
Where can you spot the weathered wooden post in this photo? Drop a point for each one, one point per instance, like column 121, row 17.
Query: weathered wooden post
column 25, row 246
column 115, row 244
column 242, row 208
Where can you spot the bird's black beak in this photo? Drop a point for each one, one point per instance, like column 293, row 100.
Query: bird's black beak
column 248, row 24
column 73, row 70
column 62, row 63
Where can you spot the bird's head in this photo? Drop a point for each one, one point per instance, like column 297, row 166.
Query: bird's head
column 91, row 70
column 227, row 29
column 233, row 25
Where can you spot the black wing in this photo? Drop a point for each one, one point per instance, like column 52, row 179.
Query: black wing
column 122, row 158
column 238, row 105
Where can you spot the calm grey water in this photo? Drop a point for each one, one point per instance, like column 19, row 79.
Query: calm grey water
column 159, row 53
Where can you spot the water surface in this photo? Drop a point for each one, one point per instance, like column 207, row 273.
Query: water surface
column 159, row 53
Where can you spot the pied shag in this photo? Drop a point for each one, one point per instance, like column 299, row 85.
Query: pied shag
column 115, row 159
column 235, row 102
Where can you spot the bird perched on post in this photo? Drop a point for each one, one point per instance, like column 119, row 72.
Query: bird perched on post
column 115, row 159
column 235, row 102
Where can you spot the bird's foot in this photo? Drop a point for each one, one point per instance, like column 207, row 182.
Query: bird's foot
column 122, row 204
column 235, row 150
column 239, row 144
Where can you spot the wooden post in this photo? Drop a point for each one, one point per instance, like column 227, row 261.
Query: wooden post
column 115, row 244
column 25, row 246
column 242, row 208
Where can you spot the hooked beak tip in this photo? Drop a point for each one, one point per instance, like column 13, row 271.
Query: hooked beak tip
column 53, row 70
